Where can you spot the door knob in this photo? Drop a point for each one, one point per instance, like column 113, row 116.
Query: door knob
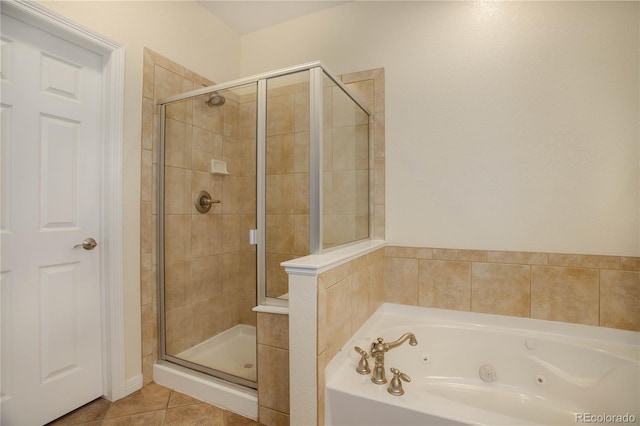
column 87, row 244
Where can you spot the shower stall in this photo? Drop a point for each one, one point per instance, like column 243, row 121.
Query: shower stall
column 252, row 173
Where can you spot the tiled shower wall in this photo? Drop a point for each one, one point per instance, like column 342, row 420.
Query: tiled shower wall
column 345, row 163
column 586, row 289
column 210, row 271
column 287, row 184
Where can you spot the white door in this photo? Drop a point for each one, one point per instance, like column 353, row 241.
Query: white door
column 51, row 292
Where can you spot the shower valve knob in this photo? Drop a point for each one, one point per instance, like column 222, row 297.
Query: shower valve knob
column 204, row 201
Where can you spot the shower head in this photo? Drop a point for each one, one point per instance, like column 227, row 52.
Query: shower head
column 215, row 100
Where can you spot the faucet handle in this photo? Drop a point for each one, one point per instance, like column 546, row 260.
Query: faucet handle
column 395, row 385
column 363, row 365
column 400, row 374
column 378, row 346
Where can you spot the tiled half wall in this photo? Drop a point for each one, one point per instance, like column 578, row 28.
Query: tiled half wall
column 585, row 289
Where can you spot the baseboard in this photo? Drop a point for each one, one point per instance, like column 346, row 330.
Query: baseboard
column 133, row 384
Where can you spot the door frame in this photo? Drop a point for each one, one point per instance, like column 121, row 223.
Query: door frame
column 111, row 145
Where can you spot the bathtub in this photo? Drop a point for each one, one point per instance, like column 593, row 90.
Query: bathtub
column 544, row 372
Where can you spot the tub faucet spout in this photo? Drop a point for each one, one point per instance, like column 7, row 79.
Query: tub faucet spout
column 379, row 348
column 406, row 336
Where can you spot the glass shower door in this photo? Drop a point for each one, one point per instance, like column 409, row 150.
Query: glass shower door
column 208, row 207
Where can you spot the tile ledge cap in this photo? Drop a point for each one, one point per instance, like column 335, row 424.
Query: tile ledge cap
column 269, row 309
column 315, row 264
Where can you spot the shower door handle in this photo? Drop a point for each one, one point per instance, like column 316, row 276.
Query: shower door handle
column 87, row 244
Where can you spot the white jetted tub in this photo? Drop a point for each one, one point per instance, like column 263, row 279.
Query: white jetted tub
column 533, row 372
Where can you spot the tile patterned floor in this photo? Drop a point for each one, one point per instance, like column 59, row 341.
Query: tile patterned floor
column 152, row 405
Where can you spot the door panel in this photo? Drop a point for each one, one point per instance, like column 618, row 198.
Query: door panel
column 51, row 293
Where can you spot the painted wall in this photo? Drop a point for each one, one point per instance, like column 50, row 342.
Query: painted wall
column 188, row 34
column 510, row 126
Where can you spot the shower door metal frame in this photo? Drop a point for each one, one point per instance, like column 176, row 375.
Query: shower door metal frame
column 316, row 71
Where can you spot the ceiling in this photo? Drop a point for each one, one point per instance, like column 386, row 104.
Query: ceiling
column 249, row 16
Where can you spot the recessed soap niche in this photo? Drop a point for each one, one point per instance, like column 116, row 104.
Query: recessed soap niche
column 219, row 167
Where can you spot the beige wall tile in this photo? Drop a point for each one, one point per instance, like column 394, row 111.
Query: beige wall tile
column 149, row 316
column 147, row 228
column 379, row 135
column 280, row 197
column 147, row 368
column 323, row 319
column 377, row 297
column 301, row 152
column 177, row 190
column 177, row 284
column 206, row 235
column 630, row 263
column 148, row 280
column 273, row 330
column 518, row 257
column 345, row 112
column 177, row 238
column 461, row 255
column 167, row 83
column 148, row 109
column 168, row 64
column 344, row 148
column 280, row 231
column 177, row 321
column 401, row 280
column 146, row 180
column 565, row 294
column 148, row 70
column 269, row 417
column 280, row 154
column 280, row 115
column 231, row 119
column 301, row 237
column 444, row 284
column 178, row 135
column 363, row 90
column 277, row 278
column 344, row 190
column 206, row 146
column 205, row 278
column 273, row 378
column 338, row 315
column 301, row 193
column 248, row 119
column 362, row 192
column 409, row 252
column 584, row 261
column 301, row 100
column 620, row 299
column 333, row 276
column 359, row 295
column 379, row 222
column 501, row 289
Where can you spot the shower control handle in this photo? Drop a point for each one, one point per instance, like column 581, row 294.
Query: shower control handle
column 204, row 201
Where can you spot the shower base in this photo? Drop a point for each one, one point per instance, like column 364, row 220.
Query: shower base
column 233, row 352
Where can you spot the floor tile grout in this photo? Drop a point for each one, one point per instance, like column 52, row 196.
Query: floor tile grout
column 200, row 411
